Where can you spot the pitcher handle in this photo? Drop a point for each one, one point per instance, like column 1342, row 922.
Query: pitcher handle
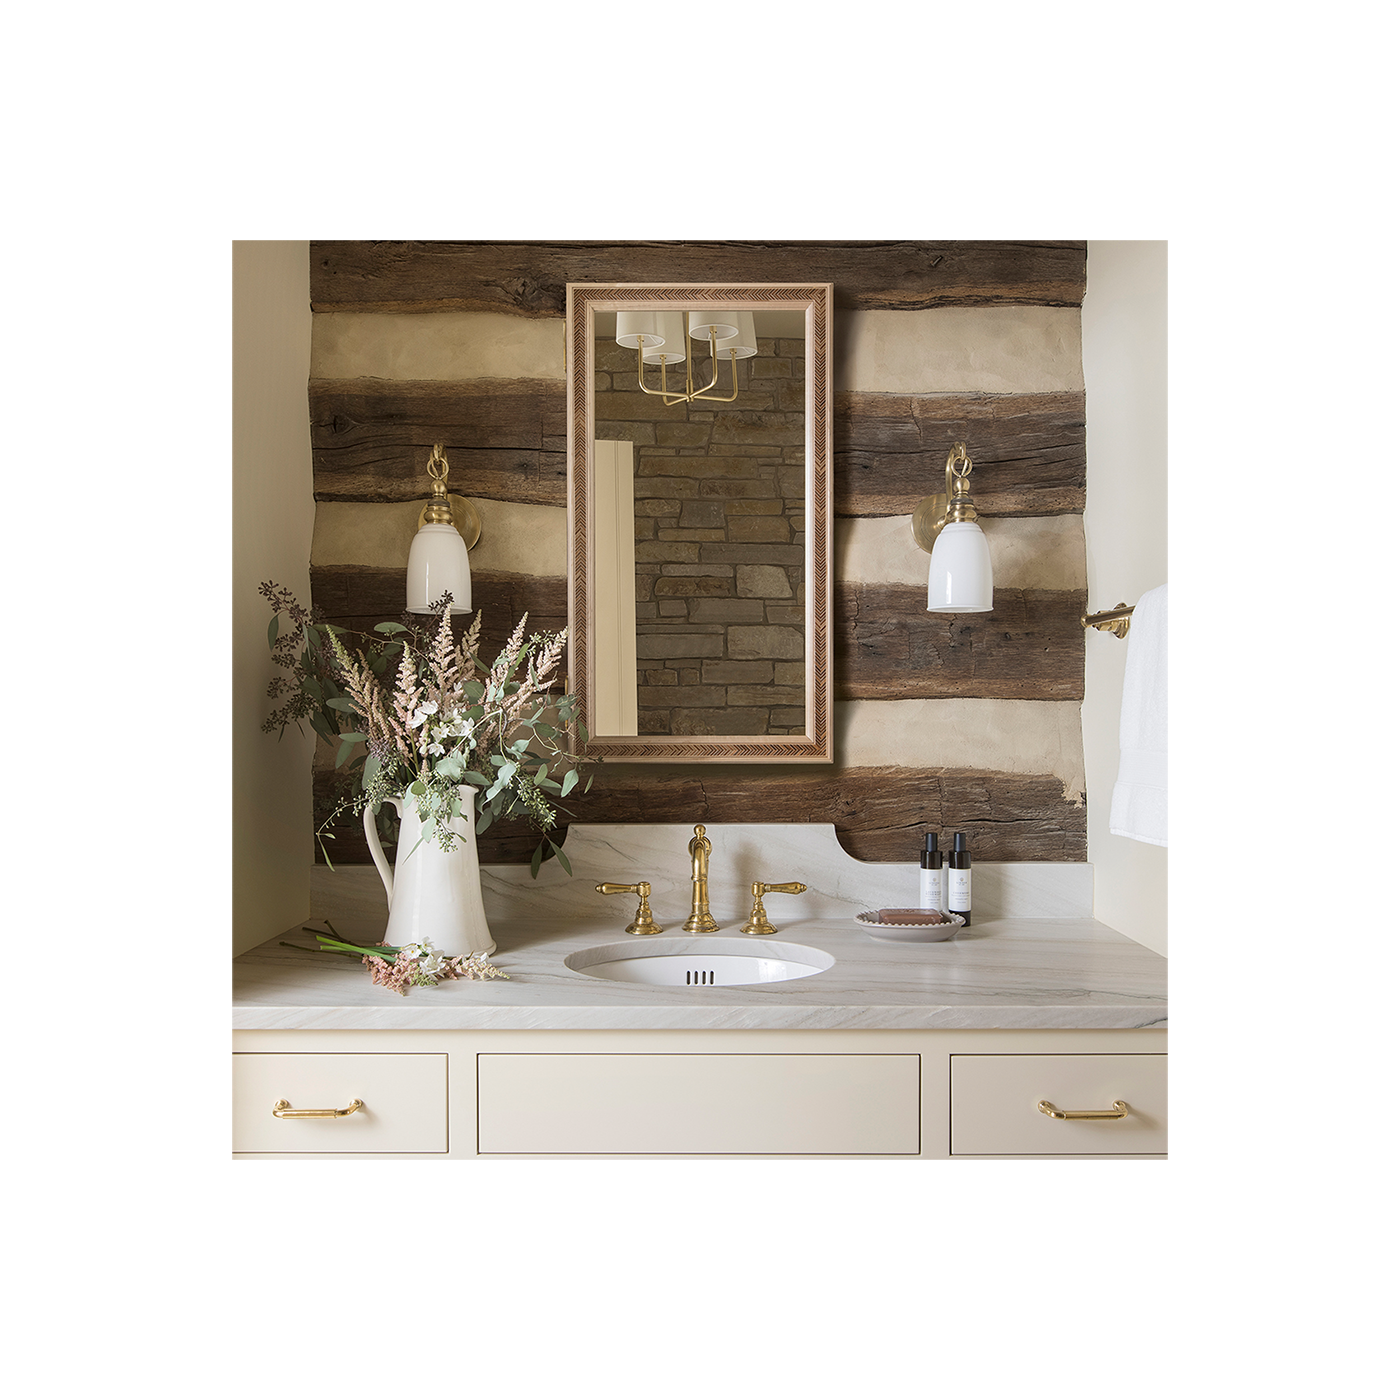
column 376, row 850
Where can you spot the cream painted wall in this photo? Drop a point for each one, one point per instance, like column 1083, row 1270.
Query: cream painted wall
column 273, row 515
column 1124, row 328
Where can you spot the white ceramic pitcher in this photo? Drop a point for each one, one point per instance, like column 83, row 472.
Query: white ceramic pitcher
column 433, row 894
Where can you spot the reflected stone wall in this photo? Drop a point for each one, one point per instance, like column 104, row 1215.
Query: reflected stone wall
column 720, row 494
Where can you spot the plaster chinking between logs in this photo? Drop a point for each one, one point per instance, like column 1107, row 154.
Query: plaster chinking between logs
column 967, row 723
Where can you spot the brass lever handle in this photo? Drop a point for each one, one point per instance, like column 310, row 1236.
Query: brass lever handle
column 643, row 923
column 282, row 1109
column 758, row 915
column 1119, row 1110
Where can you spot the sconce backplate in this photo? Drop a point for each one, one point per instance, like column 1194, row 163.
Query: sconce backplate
column 465, row 517
column 928, row 520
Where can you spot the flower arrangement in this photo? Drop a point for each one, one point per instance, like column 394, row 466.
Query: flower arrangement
column 412, row 965
column 433, row 718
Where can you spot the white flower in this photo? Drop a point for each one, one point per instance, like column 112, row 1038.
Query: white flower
column 422, row 713
column 412, row 950
column 436, row 749
column 431, row 965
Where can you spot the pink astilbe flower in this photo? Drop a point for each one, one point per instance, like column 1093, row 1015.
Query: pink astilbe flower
column 446, row 674
column 407, row 694
column 394, row 975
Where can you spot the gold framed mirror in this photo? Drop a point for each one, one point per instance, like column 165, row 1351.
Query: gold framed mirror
column 700, row 559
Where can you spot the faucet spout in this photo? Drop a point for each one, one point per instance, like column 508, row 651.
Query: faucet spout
column 700, row 920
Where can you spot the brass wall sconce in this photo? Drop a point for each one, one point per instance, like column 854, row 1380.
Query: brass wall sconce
column 945, row 527
column 448, row 526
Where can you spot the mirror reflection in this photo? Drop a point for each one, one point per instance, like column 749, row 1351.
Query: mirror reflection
column 700, row 509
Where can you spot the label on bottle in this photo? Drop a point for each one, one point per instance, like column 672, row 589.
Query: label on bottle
column 928, row 889
column 960, row 891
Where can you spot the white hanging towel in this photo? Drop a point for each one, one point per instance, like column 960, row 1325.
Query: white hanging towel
column 1139, row 808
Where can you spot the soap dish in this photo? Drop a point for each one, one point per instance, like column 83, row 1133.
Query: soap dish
column 908, row 933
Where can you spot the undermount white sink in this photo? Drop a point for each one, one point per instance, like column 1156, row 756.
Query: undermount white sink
column 699, row 961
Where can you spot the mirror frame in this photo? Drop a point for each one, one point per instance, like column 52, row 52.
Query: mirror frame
column 815, row 301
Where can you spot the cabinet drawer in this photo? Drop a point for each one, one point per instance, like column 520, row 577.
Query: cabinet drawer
column 698, row 1104
column 404, row 1097
column 995, row 1098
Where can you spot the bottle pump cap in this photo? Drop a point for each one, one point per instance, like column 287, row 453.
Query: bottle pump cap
column 959, row 841
column 931, row 858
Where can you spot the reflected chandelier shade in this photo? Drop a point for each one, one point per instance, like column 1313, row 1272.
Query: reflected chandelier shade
column 437, row 559
column 660, row 338
column 960, row 562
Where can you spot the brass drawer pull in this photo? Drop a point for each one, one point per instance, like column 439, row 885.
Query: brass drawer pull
column 282, row 1109
column 1119, row 1110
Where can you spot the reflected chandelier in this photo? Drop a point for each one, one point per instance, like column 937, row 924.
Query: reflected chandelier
column 660, row 339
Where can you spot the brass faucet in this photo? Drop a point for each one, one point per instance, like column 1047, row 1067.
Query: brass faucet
column 700, row 920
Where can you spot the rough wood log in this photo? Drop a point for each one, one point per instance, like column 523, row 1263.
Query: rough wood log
column 879, row 813
column 371, row 438
column 358, row 596
column 1027, row 451
column 505, row 439
column 529, row 279
column 888, row 646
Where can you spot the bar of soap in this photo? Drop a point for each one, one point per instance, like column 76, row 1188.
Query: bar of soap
column 912, row 916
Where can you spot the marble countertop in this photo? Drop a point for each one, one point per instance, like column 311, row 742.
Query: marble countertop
column 1024, row 974
column 1033, row 960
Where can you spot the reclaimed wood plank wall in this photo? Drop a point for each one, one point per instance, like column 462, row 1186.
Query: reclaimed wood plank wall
column 967, row 723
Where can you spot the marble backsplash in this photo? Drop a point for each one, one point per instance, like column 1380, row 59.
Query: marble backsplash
column 837, row 883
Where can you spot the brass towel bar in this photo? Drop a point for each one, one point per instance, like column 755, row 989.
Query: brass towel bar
column 1115, row 620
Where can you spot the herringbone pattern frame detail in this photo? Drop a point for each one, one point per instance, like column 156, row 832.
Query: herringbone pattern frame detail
column 816, row 746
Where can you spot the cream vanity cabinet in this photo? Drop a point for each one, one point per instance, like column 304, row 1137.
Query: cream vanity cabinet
column 619, row 1093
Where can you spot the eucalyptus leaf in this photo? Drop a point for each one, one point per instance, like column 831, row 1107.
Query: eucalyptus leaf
column 483, row 821
column 569, row 783
column 390, row 628
column 450, row 767
column 339, row 702
column 272, row 631
column 479, row 779
column 535, row 861
column 589, row 783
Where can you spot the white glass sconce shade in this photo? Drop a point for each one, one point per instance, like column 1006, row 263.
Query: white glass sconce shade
column 670, row 339
column 723, row 322
column 745, row 343
column 960, row 570
column 438, row 564
column 634, row 327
